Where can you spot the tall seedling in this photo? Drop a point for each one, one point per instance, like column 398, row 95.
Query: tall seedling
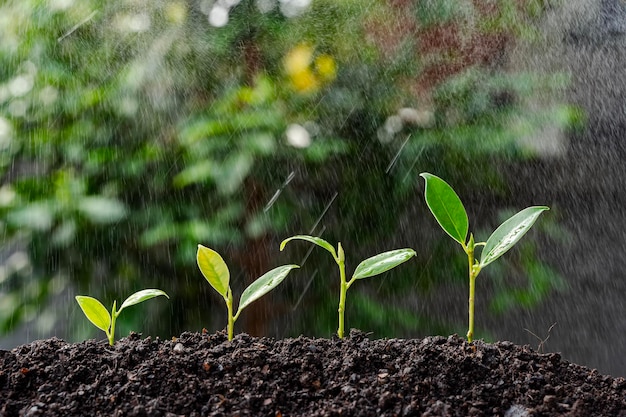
column 216, row 273
column 450, row 213
column 368, row 268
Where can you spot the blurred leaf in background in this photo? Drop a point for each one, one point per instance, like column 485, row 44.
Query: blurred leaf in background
column 131, row 131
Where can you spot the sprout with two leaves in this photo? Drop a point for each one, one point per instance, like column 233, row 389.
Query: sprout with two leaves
column 216, row 273
column 450, row 213
column 368, row 268
column 100, row 317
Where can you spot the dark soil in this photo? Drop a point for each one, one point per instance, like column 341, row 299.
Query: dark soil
column 205, row 375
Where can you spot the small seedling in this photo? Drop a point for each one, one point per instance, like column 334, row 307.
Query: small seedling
column 216, row 273
column 542, row 342
column 368, row 268
column 450, row 213
column 100, row 317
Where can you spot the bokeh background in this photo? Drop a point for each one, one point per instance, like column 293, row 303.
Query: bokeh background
column 131, row 131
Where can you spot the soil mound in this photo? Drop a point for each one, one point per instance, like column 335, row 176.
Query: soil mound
column 205, row 375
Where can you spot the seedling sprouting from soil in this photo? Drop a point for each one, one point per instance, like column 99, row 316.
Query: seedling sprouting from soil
column 450, row 213
column 100, row 317
column 542, row 342
column 216, row 273
column 368, row 268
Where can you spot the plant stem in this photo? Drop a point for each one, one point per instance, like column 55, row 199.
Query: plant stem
column 473, row 273
column 111, row 332
column 343, row 290
column 472, row 288
column 231, row 319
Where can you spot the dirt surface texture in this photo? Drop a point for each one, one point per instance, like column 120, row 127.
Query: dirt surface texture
column 201, row 374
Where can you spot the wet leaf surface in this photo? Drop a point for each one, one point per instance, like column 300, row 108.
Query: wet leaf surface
column 382, row 262
column 264, row 284
column 214, row 269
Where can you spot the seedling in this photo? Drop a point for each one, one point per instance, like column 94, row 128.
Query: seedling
column 100, row 317
column 450, row 213
column 368, row 268
column 216, row 273
column 542, row 342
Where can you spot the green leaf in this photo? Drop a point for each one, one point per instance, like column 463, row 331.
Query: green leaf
column 141, row 296
column 102, row 210
column 316, row 240
column 229, row 176
column 95, row 312
column 263, row 285
column 214, row 269
column 37, row 216
column 382, row 262
column 447, row 207
column 509, row 233
column 198, row 172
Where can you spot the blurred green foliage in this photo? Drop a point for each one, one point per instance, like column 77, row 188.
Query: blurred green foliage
column 131, row 131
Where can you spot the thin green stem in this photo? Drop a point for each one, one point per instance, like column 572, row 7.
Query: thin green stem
column 472, row 287
column 231, row 319
column 349, row 283
column 472, row 290
column 111, row 332
column 236, row 316
column 343, row 290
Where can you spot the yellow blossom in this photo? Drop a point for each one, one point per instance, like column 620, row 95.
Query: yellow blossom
column 298, row 66
column 304, row 81
column 298, row 59
column 326, row 67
